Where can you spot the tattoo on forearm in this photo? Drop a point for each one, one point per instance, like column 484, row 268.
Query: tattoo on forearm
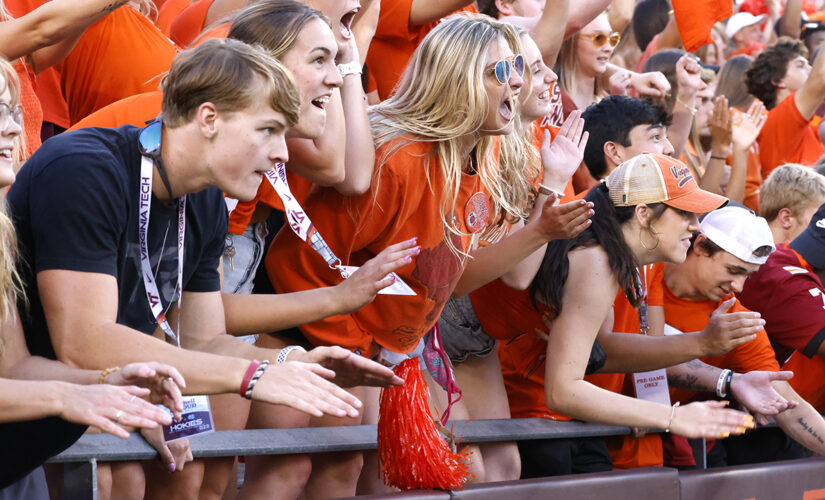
column 690, row 381
column 810, row 430
column 687, row 381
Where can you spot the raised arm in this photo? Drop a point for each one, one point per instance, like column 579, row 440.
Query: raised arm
column 428, row 11
column 51, row 23
column 812, row 93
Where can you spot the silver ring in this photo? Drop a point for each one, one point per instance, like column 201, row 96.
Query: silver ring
column 117, row 415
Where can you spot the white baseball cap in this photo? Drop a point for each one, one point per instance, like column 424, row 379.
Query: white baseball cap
column 741, row 20
column 740, row 232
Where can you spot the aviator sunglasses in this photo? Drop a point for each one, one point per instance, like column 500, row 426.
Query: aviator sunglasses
column 14, row 113
column 502, row 69
column 600, row 39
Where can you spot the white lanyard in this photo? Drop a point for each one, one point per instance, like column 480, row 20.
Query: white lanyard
column 299, row 221
column 149, row 283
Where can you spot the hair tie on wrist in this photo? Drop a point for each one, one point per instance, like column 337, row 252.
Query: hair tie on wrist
column 672, row 413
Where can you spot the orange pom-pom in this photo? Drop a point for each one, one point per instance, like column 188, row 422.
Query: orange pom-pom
column 413, row 453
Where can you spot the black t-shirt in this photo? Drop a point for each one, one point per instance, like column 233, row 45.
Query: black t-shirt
column 75, row 207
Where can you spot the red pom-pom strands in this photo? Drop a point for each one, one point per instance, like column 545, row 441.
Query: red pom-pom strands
column 413, row 453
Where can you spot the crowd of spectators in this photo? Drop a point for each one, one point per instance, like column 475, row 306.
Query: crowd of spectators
column 565, row 209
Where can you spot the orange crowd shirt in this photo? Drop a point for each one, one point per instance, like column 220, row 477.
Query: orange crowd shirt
column 394, row 42
column 32, row 112
column 404, row 201
column 133, row 110
column 189, row 23
column 168, row 12
column 692, row 316
column 121, row 55
column 787, row 137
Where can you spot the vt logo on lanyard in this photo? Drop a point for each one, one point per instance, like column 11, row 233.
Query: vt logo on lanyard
column 149, row 140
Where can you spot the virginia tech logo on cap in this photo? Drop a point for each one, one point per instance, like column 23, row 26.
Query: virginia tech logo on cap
column 681, row 174
column 820, row 223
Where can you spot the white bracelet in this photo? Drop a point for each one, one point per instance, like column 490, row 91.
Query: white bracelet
column 350, row 68
column 285, row 352
column 548, row 191
column 720, row 384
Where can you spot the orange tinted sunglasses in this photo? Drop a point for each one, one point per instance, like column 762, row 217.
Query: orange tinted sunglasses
column 600, row 39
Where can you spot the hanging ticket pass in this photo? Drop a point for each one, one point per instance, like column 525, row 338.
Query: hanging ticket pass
column 397, row 288
column 195, row 419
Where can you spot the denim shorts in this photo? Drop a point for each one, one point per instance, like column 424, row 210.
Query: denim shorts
column 239, row 277
column 461, row 332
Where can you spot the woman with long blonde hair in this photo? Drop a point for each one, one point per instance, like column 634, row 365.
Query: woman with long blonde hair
column 437, row 179
column 41, row 410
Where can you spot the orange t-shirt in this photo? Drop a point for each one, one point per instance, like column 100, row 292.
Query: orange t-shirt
column 394, row 43
column 787, row 137
column 189, row 23
column 32, row 112
column 133, row 110
column 242, row 213
column 168, row 12
column 47, row 83
column 121, row 55
column 692, row 316
column 404, row 201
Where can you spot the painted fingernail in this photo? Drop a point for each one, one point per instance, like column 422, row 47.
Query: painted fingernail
column 172, row 468
column 740, row 430
column 413, row 239
column 407, row 259
column 724, row 435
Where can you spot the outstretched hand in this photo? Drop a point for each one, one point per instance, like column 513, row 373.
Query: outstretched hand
column 163, row 381
column 559, row 222
column 721, row 126
column 755, row 392
column 350, row 369
column 727, row 330
column 562, row 156
column 709, row 419
column 112, row 409
column 361, row 288
column 305, row 387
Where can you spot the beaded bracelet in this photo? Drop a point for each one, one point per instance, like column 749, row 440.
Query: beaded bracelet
column 105, row 373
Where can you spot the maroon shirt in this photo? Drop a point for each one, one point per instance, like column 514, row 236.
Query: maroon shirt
column 791, row 299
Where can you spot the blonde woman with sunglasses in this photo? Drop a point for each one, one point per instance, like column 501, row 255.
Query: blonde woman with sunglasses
column 438, row 179
column 583, row 60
